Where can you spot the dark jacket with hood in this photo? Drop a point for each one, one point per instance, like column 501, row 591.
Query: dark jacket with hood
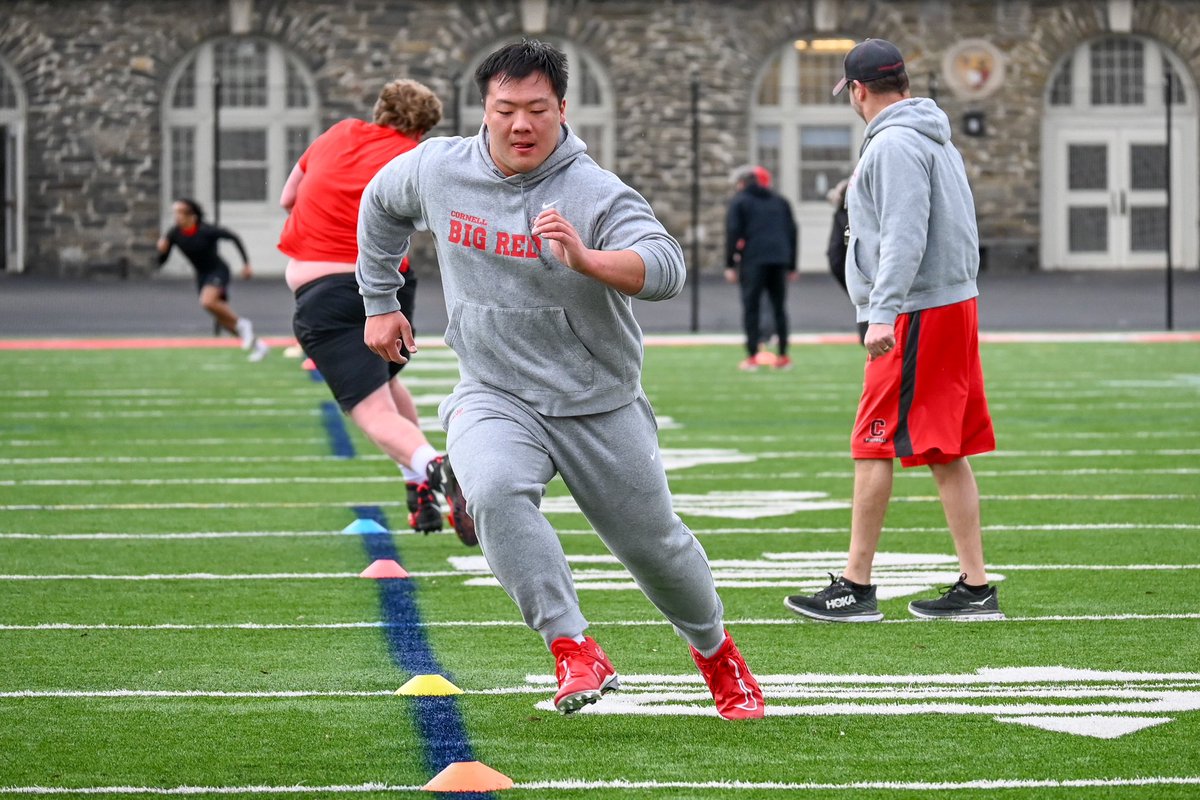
column 762, row 222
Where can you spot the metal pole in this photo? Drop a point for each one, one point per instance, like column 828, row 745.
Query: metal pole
column 1167, row 166
column 457, row 107
column 695, row 326
column 216, row 149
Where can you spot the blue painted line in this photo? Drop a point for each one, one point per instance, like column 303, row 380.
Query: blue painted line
column 438, row 719
column 335, row 428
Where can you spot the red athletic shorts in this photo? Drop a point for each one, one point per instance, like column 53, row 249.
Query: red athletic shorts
column 923, row 402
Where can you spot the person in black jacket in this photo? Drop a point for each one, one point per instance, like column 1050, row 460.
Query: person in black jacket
column 198, row 240
column 760, row 254
column 839, row 240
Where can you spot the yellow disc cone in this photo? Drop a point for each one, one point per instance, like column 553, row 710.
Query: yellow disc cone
column 428, row 686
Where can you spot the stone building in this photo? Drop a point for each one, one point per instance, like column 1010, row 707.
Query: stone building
column 108, row 111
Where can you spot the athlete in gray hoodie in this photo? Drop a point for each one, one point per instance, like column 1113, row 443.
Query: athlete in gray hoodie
column 540, row 251
column 910, row 270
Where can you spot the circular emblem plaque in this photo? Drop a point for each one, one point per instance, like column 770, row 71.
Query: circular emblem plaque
column 973, row 68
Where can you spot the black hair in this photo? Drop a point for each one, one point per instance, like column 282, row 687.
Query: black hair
column 522, row 59
column 194, row 206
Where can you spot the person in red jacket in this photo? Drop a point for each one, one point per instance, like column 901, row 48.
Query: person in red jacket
column 320, row 237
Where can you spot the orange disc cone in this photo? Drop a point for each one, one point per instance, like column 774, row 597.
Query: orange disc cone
column 384, row 568
column 308, row 364
column 468, row 776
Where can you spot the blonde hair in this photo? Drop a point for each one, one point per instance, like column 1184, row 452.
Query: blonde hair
column 408, row 106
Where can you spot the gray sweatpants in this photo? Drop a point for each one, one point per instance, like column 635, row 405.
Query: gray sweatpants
column 504, row 453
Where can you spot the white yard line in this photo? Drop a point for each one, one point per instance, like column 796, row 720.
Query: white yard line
column 168, row 694
column 806, row 455
column 1098, row 527
column 995, row 498
column 513, row 623
column 622, row 785
column 691, row 475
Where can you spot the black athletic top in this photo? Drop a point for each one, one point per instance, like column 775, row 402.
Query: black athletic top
column 201, row 246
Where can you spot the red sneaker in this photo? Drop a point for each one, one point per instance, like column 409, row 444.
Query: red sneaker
column 584, row 673
column 729, row 679
column 783, row 362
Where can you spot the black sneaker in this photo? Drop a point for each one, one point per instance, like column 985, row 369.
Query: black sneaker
column 441, row 479
column 959, row 602
column 837, row 602
column 424, row 513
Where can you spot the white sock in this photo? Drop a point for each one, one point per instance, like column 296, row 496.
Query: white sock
column 245, row 329
column 710, row 652
column 421, row 458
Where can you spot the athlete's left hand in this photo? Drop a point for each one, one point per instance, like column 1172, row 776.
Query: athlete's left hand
column 247, row 272
column 564, row 240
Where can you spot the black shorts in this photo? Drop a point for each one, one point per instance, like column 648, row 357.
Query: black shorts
column 329, row 321
column 214, row 277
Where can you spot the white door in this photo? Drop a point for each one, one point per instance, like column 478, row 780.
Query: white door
column 1105, row 158
column 1111, row 186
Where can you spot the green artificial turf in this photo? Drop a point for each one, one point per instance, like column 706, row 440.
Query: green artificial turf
column 170, row 523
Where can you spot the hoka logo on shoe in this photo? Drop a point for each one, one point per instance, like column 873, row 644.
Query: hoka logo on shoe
column 841, row 602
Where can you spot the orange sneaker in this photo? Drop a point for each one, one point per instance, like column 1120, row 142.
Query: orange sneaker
column 584, row 673
column 733, row 687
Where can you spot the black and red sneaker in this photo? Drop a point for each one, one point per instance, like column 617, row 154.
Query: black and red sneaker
column 424, row 512
column 441, row 479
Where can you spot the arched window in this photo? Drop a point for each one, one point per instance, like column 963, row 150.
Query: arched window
column 263, row 101
column 1105, row 157
column 12, row 171
column 807, row 138
column 590, row 106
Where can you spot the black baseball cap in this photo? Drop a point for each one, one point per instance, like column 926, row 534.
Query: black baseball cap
column 870, row 60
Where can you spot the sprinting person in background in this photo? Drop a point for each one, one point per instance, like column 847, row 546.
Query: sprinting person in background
column 760, row 255
column 541, row 252
column 198, row 240
column 322, row 196
column 911, row 269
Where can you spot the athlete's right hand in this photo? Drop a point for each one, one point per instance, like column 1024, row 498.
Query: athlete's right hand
column 385, row 334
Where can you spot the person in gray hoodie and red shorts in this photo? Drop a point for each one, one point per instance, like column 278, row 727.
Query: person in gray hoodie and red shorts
column 540, row 252
column 911, row 264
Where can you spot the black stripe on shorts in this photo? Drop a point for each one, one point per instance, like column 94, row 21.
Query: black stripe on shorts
column 908, row 384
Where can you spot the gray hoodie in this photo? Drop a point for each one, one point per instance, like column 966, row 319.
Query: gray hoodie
column 913, row 239
column 520, row 320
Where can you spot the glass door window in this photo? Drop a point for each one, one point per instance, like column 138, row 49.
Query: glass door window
column 1115, row 190
column 12, row 173
column 265, row 102
column 805, row 137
